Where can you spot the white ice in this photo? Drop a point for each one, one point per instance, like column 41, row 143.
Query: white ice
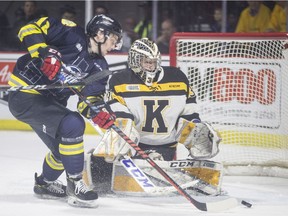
column 21, row 156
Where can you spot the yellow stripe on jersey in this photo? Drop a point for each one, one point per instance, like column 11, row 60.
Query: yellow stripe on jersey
column 15, row 81
column 68, row 23
column 33, row 50
column 71, row 149
column 54, row 164
column 84, row 109
column 119, row 99
column 94, row 99
column 44, row 27
column 81, row 107
column 172, row 86
column 32, row 29
column 27, row 30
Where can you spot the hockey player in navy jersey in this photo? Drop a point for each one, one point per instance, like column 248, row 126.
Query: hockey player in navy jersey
column 156, row 107
column 51, row 44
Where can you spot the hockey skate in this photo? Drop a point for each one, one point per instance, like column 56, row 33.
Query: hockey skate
column 80, row 195
column 48, row 189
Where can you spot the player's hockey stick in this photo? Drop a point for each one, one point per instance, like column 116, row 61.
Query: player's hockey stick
column 85, row 81
column 216, row 206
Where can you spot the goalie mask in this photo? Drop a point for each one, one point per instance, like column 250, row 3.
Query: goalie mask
column 145, row 60
column 107, row 25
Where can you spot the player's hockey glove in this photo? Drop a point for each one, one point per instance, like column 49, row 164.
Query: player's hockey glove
column 51, row 61
column 104, row 119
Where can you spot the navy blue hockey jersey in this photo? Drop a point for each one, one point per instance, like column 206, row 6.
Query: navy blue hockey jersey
column 72, row 43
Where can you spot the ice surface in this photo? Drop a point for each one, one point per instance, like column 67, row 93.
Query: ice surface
column 21, row 156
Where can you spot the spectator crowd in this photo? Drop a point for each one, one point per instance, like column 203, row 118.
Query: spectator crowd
column 241, row 17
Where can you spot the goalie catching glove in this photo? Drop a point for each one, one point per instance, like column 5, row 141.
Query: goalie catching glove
column 200, row 139
column 112, row 145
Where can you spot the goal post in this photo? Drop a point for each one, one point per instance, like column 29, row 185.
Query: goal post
column 241, row 83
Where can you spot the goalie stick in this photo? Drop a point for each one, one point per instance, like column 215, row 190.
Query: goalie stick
column 85, row 81
column 216, row 206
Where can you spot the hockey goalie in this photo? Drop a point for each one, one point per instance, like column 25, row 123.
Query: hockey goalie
column 156, row 108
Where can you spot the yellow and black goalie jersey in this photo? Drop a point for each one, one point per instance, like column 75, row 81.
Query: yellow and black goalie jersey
column 156, row 109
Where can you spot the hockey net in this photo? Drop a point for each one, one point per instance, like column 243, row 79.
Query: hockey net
column 241, row 83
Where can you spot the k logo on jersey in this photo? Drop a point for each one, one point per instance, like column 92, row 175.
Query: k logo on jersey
column 154, row 116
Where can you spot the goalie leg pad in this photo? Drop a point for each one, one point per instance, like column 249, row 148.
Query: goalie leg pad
column 209, row 172
column 206, row 175
column 97, row 173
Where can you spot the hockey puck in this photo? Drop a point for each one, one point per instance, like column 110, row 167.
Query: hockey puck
column 249, row 205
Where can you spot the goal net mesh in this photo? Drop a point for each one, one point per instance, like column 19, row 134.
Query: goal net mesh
column 240, row 82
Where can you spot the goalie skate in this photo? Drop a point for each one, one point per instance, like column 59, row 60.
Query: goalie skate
column 79, row 195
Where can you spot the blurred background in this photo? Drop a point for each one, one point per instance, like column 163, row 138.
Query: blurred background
column 161, row 18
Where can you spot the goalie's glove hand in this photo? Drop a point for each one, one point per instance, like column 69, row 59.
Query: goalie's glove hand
column 51, row 61
column 104, row 119
column 199, row 138
column 204, row 141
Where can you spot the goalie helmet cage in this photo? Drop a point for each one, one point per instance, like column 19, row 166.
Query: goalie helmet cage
column 241, row 83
